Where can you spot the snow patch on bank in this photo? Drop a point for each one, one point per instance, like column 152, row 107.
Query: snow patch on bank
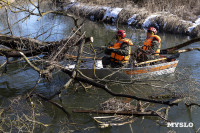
column 99, row 64
column 112, row 13
column 165, row 25
column 70, row 5
column 149, row 20
column 191, row 28
column 69, row 66
column 197, row 22
column 132, row 20
column 87, row 8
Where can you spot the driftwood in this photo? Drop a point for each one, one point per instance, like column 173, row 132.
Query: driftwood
column 117, row 120
column 149, row 113
column 165, row 96
column 171, row 49
column 192, row 104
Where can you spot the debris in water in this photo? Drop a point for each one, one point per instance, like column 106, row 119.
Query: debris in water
column 117, row 105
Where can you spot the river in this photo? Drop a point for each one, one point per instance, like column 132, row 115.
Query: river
column 21, row 78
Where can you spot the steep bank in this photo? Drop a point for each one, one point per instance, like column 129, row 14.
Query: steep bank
column 136, row 17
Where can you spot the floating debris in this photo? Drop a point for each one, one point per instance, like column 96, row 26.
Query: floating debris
column 117, row 105
column 117, row 120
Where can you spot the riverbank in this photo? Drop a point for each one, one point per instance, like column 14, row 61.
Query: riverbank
column 135, row 17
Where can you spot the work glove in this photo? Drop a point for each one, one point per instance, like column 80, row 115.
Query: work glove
column 109, row 50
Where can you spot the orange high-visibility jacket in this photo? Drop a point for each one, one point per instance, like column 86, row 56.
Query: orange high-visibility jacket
column 147, row 43
column 119, row 58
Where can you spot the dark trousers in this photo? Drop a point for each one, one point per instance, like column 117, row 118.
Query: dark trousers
column 108, row 63
column 141, row 56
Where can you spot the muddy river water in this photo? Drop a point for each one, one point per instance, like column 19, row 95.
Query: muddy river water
column 20, row 78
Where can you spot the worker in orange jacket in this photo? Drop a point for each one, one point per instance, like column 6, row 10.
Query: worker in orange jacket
column 119, row 52
column 151, row 48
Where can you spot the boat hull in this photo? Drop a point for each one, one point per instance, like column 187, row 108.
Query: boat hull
column 130, row 73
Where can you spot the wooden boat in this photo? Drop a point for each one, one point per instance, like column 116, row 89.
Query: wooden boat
column 96, row 70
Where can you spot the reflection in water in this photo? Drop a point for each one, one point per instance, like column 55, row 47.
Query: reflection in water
column 6, row 91
column 55, row 27
column 20, row 78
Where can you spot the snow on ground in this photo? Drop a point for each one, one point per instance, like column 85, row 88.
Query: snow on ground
column 70, row 66
column 87, row 8
column 165, row 25
column 99, row 64
column 148, row 21
column 112, row 12
column 132, row 20
column 70, row 5
column 192, row 27
column 197, row 22
column 186, row 21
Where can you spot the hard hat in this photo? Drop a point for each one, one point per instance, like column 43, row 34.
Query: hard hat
column 152, row 29
column 121, row 33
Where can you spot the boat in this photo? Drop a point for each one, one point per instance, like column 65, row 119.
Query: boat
column 164, row 65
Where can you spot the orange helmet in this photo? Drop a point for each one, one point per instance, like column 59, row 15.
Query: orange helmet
column 152, row 29
column 121, row 33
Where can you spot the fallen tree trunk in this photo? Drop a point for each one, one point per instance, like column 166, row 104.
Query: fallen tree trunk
column 15, row 42
column 32, row 47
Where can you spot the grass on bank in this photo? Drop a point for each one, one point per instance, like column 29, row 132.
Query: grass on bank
column 186, row 9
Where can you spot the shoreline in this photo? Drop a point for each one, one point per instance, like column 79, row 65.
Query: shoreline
column 135, row 17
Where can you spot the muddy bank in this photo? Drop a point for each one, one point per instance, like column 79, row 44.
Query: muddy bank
column 135, row 17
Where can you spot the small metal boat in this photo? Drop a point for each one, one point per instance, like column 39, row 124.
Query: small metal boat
column 95, row 70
